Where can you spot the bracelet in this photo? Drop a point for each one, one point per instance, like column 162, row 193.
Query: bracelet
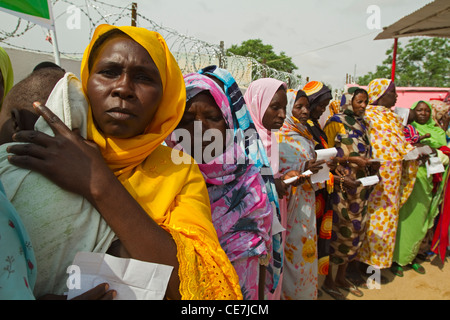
column 342, row 183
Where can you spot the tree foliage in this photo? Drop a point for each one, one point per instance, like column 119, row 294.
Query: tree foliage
column 422, row 62
column 264, row 54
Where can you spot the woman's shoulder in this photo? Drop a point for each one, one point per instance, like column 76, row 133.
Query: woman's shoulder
column 165, row 159
column 171, row 155
column 170, row 167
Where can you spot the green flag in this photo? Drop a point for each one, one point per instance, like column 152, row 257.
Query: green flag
column 36, row 11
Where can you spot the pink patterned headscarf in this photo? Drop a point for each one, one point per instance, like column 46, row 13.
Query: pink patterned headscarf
column 258, row 97
column 240, row 209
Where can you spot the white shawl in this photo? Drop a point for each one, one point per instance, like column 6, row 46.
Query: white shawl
column 59, row 223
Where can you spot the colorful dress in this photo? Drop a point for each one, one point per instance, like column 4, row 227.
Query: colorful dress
column 317, row 92
column 17, row 260
column 254, row 149
column 417, row 215
column 349, row 135
column 300, row 276
column 257, row 98
column 397, row 179
column 411, row 134
column 240, row 208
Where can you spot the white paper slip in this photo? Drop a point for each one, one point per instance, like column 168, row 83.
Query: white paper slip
column 375, row 160
column 324, row 173
column 424, row 150
column 132, row 279
column 403, row 113
column 412, row 155
column 369, row 181
column 290, row 180
column 307, row 173
column 434, row 165
column 326, row 154
column 418, row 151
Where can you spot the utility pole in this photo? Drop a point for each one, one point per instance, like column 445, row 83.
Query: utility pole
column 133, row 13
column 222, row 55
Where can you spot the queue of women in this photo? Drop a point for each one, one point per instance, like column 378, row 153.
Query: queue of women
column 244, row 220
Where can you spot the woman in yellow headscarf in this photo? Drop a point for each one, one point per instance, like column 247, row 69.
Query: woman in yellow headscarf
column 6, row 74
column 397, row 176
column 137, row 96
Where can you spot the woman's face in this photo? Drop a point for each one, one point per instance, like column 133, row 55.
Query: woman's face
column 275, row 114
column 389, row 99
column 203, row 108
column 124, row 88
column 319, row 109
column 300, row 110
column 423, row 113
column 359, row 104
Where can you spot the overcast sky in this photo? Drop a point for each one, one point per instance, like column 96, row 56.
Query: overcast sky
column 297, row 27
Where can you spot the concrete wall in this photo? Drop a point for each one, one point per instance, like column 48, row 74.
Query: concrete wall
column 24, row 61
column 408, row 95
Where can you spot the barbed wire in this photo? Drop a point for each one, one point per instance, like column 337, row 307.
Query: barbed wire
column 191, row 53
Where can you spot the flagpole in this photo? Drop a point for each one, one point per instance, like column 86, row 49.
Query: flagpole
column 55, row 47
column 53, row 35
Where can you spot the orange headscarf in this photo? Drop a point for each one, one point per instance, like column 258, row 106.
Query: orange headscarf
column 123, row 155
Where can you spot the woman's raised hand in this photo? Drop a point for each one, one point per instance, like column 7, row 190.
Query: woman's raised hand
column 67, row 159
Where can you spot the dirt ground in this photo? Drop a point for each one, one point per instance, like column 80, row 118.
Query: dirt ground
column 433, row 285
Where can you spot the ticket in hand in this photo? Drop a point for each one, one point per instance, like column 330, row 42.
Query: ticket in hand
column 290, row 180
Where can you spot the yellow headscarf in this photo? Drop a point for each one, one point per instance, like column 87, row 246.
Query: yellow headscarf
column 123, row 155
column 174, row 196
column 377, row 88
column 7, row 72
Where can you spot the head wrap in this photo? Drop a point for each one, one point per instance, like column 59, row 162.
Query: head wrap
column 258, row 97
column 300, row 94
column 256, row 152
column 241, row 211
column 316, row 92
column 292, row 126
column 195, row 84
column 292, row 97
column 7, row 72
column 346, row 102
column 439, row 109
column 438, row 137
column 377, row 88
column 242, row 120
column 122, row 155
column 354, row 125
column 347, row 107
